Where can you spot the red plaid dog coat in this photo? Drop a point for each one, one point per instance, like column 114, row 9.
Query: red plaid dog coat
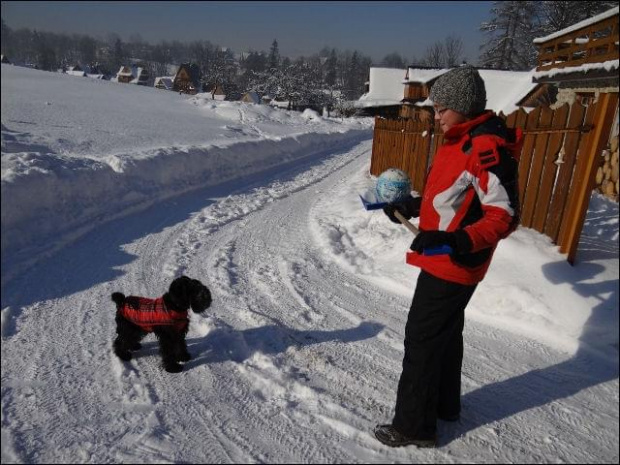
column 148, row 313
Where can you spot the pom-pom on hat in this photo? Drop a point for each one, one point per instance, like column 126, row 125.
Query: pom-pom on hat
column 461, row 89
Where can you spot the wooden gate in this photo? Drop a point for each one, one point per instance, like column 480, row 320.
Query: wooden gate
column 557, row 167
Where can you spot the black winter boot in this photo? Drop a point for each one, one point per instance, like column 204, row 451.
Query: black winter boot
column 389, row 436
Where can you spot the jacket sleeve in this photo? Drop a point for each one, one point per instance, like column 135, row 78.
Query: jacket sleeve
column 495, row 182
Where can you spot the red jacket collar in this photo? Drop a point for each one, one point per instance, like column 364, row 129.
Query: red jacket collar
column 459, row 130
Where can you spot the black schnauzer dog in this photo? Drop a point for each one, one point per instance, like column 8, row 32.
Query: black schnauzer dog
column 165, row 316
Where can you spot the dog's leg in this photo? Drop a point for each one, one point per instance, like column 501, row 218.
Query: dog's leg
column 137, row 345
column 181, row 354
column 128, row 336
column 167, row 349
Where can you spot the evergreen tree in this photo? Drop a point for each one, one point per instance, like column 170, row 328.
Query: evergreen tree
column 331, row 69
column 6, row 39
column 118, row 54
column 514, row 26
column 45, row 55
column 274, row 56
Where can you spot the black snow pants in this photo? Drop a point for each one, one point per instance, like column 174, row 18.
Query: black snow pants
column 430, row 384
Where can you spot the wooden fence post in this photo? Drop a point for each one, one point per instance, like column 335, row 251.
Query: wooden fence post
column 597, row 138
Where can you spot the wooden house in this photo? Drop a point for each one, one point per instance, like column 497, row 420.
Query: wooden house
column 251, row 97
column 418, row 81
column 124, row 74
column 582, row 61
column 140, row 76
column 187, row 79
column 384, row 93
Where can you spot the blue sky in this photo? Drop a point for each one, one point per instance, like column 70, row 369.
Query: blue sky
column 374, row 28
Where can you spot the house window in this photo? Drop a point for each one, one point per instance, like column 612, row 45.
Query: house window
column 585, row 99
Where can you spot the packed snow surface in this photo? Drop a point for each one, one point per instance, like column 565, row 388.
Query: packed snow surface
column 109, row 187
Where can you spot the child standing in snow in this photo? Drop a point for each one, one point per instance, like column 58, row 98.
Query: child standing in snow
column 470, row 202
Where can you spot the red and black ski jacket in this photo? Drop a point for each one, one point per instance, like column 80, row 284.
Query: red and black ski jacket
column 148, row 313
column 471, row 186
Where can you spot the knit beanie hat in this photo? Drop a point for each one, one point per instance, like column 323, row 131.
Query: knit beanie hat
column 461, row 89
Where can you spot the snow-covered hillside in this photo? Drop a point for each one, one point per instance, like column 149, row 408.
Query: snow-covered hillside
column 299, row 356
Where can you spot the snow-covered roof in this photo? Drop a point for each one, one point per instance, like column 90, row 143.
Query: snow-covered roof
column 124, row 71
column 386, row 88
column 424, row 75
column 582, row 24
column 504, row 88
column 165, row 81
column 605, row 65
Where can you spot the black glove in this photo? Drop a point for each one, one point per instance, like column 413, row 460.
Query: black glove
column 409, row 208
column 459, row 241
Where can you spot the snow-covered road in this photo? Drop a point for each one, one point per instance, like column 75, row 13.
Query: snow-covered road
column 297, row 359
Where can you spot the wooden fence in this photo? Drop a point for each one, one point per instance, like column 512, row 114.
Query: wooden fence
column 557, row 167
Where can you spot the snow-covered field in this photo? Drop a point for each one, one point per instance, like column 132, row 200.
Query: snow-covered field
column 109, row 187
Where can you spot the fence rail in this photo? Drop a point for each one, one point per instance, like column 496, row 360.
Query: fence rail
column 557, row 166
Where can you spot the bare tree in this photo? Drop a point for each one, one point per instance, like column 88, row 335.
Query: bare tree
column 453, row 51
column 435, row 55
column 558, row 15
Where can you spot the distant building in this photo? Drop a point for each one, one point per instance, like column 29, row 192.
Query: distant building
column 75, row 71
column 164, row 82
column 251, row 97
column 141, row 76
column 133, row 75
column 187, row 79
column 124, row 75
column 384, row 92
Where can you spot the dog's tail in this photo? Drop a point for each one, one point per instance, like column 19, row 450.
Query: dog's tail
column 118, row 298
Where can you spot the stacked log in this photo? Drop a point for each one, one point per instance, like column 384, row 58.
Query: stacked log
column 607, row 174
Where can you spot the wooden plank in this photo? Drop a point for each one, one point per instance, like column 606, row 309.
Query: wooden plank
column 535, row 169
column 577, row 178
column 409, row 153
column 606, row 108
column 420, row 165
column 525, row 160
column 565, row 173
column 425, row 150
column 549, row 169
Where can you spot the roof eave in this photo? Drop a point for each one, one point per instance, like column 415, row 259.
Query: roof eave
column 592, row 75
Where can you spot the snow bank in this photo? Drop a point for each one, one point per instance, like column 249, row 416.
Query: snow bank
column 77, row 153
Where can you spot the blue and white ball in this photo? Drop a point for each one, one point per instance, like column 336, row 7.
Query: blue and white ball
column 393, row 185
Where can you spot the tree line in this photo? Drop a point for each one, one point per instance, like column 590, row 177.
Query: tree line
column 328, row 74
